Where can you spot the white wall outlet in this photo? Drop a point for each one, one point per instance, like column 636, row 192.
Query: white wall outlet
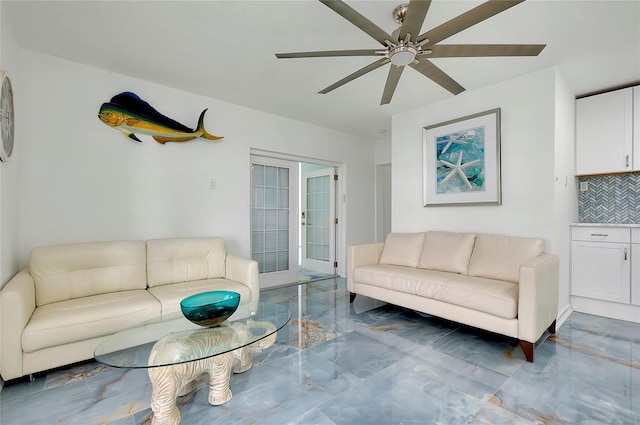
column 212, row 183
column 584, row 186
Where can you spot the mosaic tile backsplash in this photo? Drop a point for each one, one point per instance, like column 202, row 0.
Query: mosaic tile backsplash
column 610, row 199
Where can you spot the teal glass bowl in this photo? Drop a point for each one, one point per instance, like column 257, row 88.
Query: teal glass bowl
column 210, row 308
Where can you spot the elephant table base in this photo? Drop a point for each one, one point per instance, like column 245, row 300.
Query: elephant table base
column 169, row 382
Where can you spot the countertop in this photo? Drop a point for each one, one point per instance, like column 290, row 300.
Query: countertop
column 623, row 225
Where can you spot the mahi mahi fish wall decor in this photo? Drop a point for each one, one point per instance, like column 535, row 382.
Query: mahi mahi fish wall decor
column 130, row 114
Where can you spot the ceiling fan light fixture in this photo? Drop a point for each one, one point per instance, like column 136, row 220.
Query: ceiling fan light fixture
column 403, row 55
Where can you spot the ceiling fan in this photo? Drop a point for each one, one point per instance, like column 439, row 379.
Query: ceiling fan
column 406, row 47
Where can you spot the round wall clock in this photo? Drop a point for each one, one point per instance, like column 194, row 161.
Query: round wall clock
column 6, row 117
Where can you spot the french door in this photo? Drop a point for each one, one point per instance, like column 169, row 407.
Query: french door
column 318, row 220
column 274, row 219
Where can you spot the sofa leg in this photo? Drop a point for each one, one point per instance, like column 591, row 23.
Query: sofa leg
column 352, row 296
column 527, row 349
column 552, row 327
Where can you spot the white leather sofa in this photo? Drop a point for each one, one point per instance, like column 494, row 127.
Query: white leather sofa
column 71, row 296
column 506, row 285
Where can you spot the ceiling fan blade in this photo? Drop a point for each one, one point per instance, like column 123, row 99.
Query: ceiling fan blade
column 480, row 50
column 414, row 19
column 466, row 20
column 429, row 70
column 375, row 65
column 329, row 53
column 392, row 82
column 351, row 15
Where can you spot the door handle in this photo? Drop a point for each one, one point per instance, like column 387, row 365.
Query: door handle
column 625, row 254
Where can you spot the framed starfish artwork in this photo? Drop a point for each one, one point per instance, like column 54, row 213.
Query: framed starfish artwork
column 461, row 161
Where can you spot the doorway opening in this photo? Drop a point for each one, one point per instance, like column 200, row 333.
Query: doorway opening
column 294, row 220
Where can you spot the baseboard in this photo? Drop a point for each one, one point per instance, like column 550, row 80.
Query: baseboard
column 563, row 316
column 613, row 310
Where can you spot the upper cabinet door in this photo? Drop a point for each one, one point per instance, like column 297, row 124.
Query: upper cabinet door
column 604, row 133
column 636, row 128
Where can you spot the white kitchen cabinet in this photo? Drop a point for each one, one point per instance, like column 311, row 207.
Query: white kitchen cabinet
column 635, row 266
column 601, row 263
column 604, row 133
column 636, row 128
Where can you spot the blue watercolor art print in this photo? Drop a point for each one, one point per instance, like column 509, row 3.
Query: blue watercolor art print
column 460, row 161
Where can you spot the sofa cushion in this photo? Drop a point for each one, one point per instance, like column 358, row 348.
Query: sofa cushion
column 500, row 257
column 81, row 319
column 65, row 272
column 495, row 297
column 402, row 249
column 398, row 278
column 171, row 295
column 184, row 260
column 447, row 251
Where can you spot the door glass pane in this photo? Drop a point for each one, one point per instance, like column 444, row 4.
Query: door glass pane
column 283, row 219
column 270, row 217
column 283, row 240
column 283, row 198
column 283, row 177
column 257, row 175
column 271, row 197
column 271, row 176
column 318, row 225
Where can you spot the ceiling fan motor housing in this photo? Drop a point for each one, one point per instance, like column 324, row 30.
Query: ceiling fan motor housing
column 400, row 12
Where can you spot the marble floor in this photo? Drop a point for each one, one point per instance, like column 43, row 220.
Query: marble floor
column 306, row 275
column 369, row 363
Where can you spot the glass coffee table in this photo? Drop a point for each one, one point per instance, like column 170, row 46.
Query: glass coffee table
column 177, row 352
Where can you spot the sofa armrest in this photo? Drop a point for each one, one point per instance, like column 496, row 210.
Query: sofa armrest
column 361, row 255
column 17, row 303
column 245, row 271
column 538, row 297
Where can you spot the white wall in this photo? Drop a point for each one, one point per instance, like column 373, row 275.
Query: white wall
column 383, row 201
column 383, row 150
column 566, row 195
column 527, row 147
column 81, row 180
column 9, row 171
column 383, row 186
column 537, row 126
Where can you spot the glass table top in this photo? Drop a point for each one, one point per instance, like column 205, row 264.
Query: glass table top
column 176, row 340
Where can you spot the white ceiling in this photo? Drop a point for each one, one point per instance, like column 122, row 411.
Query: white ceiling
column 225, row 50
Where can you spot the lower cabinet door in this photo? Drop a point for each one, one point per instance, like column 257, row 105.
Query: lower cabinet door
column 635, row 274
column 601, row 270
